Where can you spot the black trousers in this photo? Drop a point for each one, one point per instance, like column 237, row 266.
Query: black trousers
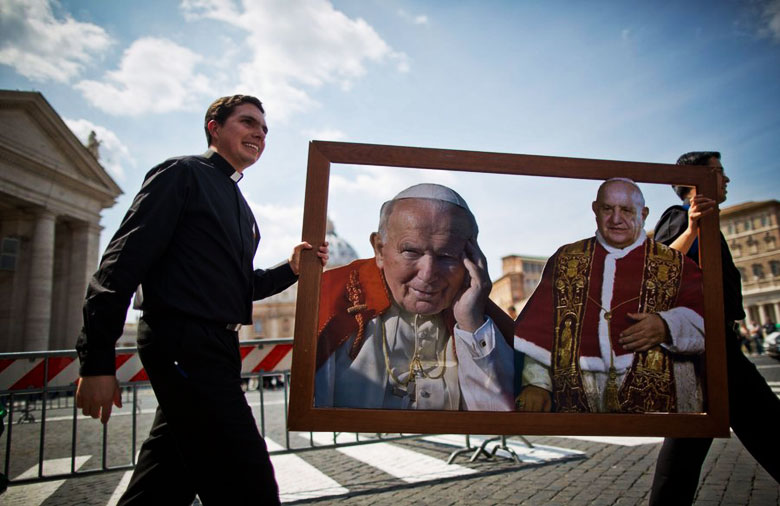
column 754, row 414
column 204, row 439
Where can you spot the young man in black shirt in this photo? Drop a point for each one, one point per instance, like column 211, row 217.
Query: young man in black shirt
column 753, row 408
column 186, row 244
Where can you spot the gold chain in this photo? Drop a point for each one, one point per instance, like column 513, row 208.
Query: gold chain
column 611, row 401
column 608, row 312
column 415, row 365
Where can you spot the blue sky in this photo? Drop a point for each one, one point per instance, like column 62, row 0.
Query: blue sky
column 638, row 81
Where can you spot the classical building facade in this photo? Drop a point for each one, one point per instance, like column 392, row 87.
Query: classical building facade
column 520, row 275
column 752, row 232
column 52, row 191
column 274, row 317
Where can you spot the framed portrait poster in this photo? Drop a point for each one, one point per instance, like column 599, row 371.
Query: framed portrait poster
column 351, row 372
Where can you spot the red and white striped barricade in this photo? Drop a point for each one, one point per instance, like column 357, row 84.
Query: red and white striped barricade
column 28, row 373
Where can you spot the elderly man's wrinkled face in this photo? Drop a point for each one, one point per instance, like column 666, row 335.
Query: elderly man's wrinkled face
column 620, row 215
column 422, row 255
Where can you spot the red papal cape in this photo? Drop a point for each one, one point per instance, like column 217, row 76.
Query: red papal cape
column 572, row 321
column 352, row 295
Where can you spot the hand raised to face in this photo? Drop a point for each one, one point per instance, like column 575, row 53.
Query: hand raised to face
column 469, row 306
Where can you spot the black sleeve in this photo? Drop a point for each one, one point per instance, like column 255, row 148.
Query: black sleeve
column 272, row 281
column 671, row 225
column 142, row 237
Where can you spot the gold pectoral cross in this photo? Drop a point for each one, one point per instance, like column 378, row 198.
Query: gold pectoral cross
column 611, row 399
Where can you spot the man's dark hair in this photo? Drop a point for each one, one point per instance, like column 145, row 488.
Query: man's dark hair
column 693, row 158
column 223, row 107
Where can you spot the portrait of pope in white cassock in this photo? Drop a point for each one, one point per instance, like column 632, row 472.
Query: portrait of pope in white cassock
column 616, row 323
column 413, row 328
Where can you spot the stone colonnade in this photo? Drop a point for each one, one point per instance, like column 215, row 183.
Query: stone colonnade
column 57, row 255
column 762, row 313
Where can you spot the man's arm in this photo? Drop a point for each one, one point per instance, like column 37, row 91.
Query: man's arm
column 485, row 369
column 649, row 331
column 295, row 257
column 679, row 329
column 141, row 238
column 96, row 394
column 268, row 282
column 485, row 360
column 699, row 206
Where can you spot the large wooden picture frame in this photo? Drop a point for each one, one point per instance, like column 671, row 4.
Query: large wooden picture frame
column 304, row 416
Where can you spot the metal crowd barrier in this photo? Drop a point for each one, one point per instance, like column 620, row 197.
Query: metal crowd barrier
column 52, row 388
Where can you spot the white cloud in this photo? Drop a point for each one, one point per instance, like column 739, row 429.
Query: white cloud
column 420, row 19
column 41, row 47
column 296, row 45
column 155, row 75
column 280, row 230
column 381, row 183
column 325, row 134
column 771, row 19
column 113, row 153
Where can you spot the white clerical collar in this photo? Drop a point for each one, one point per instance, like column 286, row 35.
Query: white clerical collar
column 223, row 165
column 621, row 252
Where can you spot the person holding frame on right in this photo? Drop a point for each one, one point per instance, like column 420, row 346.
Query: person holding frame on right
column 754, row 410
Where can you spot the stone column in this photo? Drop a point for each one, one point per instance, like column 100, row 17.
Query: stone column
column 92, row 251
column 763, row 313
column 83, row 263
column 749, row 316
column 37, row 325
column 771, row 314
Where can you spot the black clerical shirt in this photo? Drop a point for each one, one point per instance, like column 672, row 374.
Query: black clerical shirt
column 188, row 239
column 671, row 225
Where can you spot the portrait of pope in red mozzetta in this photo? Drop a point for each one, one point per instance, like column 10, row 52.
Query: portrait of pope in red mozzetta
column 616, row 323
column 412, row 327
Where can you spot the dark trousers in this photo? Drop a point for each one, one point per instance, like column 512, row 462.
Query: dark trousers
column 754, row 414
column 204, row 439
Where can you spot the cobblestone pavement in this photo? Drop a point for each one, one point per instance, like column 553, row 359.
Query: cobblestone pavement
column 593, row 471
column 611, row 473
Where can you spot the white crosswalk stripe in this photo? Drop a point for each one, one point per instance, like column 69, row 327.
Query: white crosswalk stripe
column 122, row 485
column 402, row 463
column 44, row 490
column 297, row 479
column 775, row 386
column 616, row 440
column 120, row 489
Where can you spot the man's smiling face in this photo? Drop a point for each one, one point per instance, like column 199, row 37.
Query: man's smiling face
column 241, row 139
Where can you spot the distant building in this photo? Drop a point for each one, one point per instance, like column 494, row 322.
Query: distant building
column 274, row 317
column 752, row 232
column 520, row 275
column 52, row 191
